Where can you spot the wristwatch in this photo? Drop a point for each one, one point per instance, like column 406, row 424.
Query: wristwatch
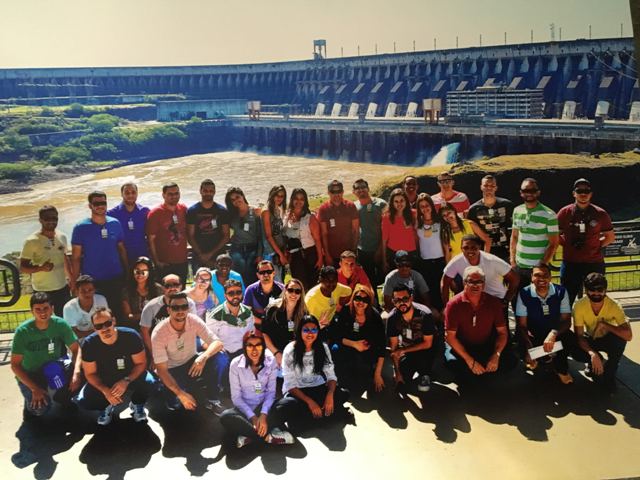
column 127, row 379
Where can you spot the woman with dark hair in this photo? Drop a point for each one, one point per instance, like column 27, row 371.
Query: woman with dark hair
column 361, row 341
column 246, row 242
column 283, row 317
column 141, row 287
column 201, row 292
column 252, row 381
column 454, row 228
column 310, row 382
column 431, row 247
column 397, row 228
column 272, row 221
column 301, row 230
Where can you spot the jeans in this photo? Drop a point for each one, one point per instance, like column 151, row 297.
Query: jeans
column 61, row 395
column 572, row 276
column 354, row 369
column 91, row 398
column 431, row 270
column 613, row 346
column 296, row 412
column 303, row 267
column 559, row 358
column 209, row 380
column 481, row 354
column 234, row 421
column 112, row 290
column 371, row 266
column 244, row 262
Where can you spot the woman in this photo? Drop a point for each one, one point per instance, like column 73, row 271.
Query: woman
column 432, row 250
column 201, row 292
column 301, row 230
column 141, row 287
column 454, row 228
column 272, row 221
column 360, row 338
column 397, row 228
column 310, row 382
column 283, row 317
column 246, row 242
column 252, row 380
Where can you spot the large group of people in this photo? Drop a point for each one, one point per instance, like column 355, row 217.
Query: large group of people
column 282, row 319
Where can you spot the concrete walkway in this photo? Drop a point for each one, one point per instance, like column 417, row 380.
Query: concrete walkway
column 527, row 427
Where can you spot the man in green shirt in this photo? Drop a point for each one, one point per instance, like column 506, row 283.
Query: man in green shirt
column 39, row 358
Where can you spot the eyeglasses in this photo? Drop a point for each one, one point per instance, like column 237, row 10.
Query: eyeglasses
column 234, row 293
column 404, row 299
column 143, row 273
column 99, row 203
column 179, row 307
column 203, row 280
column 297, row 291
column 265, row 272
column 172, row 285
column 254, row 345
column 474, row 282
column 100, row 326
column 313, row 330
column 583, row 191
column 529, row 190
column 366, row 300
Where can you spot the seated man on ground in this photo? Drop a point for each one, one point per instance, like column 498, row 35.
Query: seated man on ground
column 350, row 273
column 327, row 298
column 221, row 274
column 264, row 292
column 77, row 311
column 404, row 274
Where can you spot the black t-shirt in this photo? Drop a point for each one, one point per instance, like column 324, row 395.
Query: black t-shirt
column 208, row 223
column 276, row 325
column 495, row 220
column 421, row 324
column 372, row 330
column 113, row 361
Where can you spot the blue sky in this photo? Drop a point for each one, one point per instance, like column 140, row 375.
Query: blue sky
column 45, row 33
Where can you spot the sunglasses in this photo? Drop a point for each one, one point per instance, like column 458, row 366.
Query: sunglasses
column 265, row 272
column 254, row 345
column 529, row 190
column 445, row 181
column 404, row 299
column 203, row 280
column 313, row 330
column 234, row 293
column 583, row 191
column 366, row 300
column 335, row 192
column 100, row 326
column 180, row 307
column 144, row 273
column 360, row 187
column 172, row 285
column 297, row 291
column 474, row 282
column 99, row 203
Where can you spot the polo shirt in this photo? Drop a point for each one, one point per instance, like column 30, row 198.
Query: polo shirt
column 531, row 305
column 494, row 271
column 170, row 230
column 459, row 317
column 40, row 249
column 228, row 327
column 583, row 316
column 586, row 225
column 338, row 220
column 156, row 310
column 177, row 348
column 134, row 225
column 100, row 256
column 534, row 225
column 256, row 299
column 370, row 224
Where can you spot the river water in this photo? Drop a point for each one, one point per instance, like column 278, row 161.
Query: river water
column 254, row 173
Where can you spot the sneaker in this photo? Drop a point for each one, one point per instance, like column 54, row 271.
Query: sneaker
column 242, row 441
column 174, row 404
column 587, row 371
column 424, row 384
column 565, row 378
column 106, row 416
column 137, row 412
column 215, row 406
column 279, row 437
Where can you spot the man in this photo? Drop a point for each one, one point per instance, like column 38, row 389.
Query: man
column 543, row 314
column 476, row 329
column 221, row 274
column 328, row 297
column 44, row 257
column 501, row 280
column 78, row 311
column 350, row 273
column 404, row 274
column 410, row 187
column 411, row 331
column 601, row 326
column 447, row 194
column 534, row 237
column 585, row 229
column 115, row 365
column 339, row 224
column 259, row 295
column 493, row 215
column 97, row 249
column 157, row 309
column 177, row 362
column 370, row 209
column 207, row 227
column 133, row 219
column 39, row 358
column 167, row 234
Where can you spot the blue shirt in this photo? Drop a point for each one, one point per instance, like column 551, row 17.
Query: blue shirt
column 248, row 391
column 100, row 257
column 541, row 320
column 133, row 226
column 218, row 288
column 258, row 301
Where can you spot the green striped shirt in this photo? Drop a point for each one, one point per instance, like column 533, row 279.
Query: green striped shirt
column 534, row 225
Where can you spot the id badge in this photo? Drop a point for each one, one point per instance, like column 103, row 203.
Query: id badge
column 582, row 227
column 356, row 327
column 175, row 218
column 332, row 302
column 332, row 222
column 104, row 233
column 257, row 387
column 545, row 309
column 214, row 223
column 427, row 233
column 410, row 284
column 130, row 224
column 180, row 344
column 120, row 363
column 370, row 208
column 246, row 227
column 51, row 347
column 408, row 334
column 490, row 212
column 290, row 325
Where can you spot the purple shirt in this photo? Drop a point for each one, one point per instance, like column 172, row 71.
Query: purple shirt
column 133, row 226
column 258, row 301
column 248, row 391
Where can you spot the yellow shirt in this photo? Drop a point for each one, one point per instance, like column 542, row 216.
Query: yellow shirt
column 40, row 250
column 611, row 313
column 317, row 303
column 456, row 238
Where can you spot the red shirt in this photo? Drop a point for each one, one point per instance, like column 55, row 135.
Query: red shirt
column 338, row 220
column 580, row 232
column 357, row 277
column 397, row 235
column 458, row 200
column 459, row 316
column 170, row 232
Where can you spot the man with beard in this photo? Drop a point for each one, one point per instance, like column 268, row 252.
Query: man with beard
column 133, row 219
column 601, row 326
column 44, row 257
column 166, row 230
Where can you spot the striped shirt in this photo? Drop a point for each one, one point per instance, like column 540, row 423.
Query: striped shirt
column 534, row 225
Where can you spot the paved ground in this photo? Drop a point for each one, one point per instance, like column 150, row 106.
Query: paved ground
column 526, row 427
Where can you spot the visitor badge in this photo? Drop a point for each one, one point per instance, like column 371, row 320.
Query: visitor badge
column 51, row 347
column 104, row 233
column 545, row 309
column 242, row 323
column 369, row 208
column 356, row 327
column 214, row 223
column 246, row 227
column 257, row 387
column 332, row 222
column 290, row 325
column 582, row 227
column 427, row 232
column 332, row 302
column 399, row 340
column 180, row 344
column 490, row 212
column 120, row 363
column 410, row 284
column 175, row 218
column 408, row 334
column 130, row 224
column 473, row 321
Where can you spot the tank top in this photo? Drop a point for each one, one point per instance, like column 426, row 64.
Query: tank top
column 299, row 229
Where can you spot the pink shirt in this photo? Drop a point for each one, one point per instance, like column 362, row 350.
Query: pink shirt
column 177, row 348
column 459, row 200
column 398, row 235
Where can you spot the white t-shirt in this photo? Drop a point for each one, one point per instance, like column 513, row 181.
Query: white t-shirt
column 494, row 270
column 429, row 241
column 77, row 317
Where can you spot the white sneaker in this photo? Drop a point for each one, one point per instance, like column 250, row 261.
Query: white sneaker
column 106, row 416
column 280, row 437
column 424, row 384
column 137, row 412
column 242, row 441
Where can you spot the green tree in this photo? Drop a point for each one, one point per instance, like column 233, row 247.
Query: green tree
column 15, row 171
column 75, row 110
column 66, row 155
column 103, row 122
